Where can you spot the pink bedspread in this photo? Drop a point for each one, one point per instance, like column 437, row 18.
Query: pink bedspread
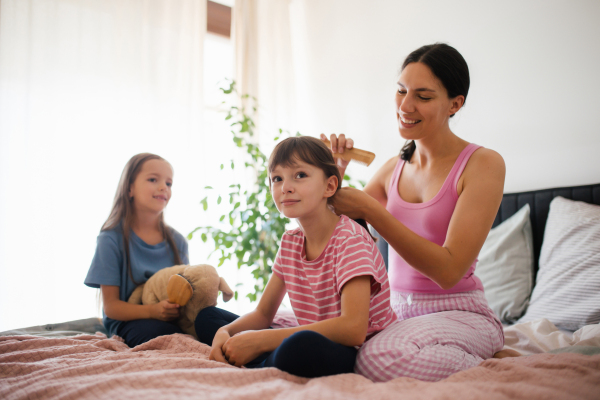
column 177, row 367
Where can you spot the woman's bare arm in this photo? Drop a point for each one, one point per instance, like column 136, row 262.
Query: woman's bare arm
column 482, row 188
column 377, row 186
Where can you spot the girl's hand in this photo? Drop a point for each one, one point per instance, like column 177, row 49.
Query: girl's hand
column 338, row 144
column 351, row 202
column 243, row 347
column 216, row 351
column 165, row 311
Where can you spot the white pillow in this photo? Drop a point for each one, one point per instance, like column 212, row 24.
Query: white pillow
column 567, row 289
column 505, row 266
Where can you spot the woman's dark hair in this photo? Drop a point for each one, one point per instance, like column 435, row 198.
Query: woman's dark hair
column 311, row 151
column 449, row 66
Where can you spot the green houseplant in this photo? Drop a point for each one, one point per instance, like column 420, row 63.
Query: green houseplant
column 252, row 226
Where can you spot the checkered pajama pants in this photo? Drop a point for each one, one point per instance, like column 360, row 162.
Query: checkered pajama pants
column 436, row 335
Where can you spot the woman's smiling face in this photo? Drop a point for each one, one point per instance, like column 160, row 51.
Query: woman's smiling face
column 422, row 103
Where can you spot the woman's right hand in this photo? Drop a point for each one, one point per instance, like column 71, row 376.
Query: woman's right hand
column 216, row 351
column 353, row 203
column 165, row 311
column 338, row 144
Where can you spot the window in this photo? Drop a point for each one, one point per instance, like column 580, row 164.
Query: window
column 76, row 105
column 218, row 20
column 218, row 66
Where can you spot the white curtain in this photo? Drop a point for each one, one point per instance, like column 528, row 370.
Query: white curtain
column 265, row 69
column 264, row 61
column 84, row 85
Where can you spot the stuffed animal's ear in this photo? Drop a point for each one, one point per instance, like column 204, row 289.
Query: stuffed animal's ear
column 225, row 289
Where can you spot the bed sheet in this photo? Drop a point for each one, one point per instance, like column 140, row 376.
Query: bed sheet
column 534, row 337
column 70, row 328
column 177, row 367
column 542, row 336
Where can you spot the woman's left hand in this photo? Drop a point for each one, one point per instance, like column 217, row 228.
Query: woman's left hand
column 352, row 202
column 243, row 347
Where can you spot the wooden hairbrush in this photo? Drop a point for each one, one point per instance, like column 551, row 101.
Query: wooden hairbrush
column 179, row 290
column 361, row 156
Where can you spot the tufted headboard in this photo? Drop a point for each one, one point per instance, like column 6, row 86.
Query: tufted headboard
column 539, row 201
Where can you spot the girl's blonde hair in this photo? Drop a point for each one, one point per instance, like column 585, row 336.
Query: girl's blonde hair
column 122, row 210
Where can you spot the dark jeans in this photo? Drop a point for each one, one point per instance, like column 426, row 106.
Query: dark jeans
column 141, row 330
column 305, row 353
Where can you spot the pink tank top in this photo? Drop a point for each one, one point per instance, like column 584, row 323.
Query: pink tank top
column 429, row 220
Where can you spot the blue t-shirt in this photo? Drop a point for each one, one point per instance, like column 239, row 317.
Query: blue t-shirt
column 109, row 266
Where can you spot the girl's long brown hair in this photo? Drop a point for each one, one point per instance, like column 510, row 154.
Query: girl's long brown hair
column 122, row 209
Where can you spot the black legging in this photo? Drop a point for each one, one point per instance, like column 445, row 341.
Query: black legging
column 141, row 330
column 305, row 353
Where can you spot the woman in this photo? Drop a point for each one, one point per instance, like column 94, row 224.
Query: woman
column 434, row 204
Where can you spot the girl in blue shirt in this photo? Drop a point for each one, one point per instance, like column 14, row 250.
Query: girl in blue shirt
column 133, row 244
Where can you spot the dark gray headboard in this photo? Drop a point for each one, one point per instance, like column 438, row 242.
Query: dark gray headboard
column 539, row 202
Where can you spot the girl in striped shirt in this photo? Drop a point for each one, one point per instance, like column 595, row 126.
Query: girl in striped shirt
column 330, row 267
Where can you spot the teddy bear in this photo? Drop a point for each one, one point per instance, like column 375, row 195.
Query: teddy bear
column 193, row 287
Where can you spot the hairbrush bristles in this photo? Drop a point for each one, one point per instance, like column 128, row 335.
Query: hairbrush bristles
column 360, row 156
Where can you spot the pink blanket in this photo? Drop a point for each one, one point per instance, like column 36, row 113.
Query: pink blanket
column 177, row 367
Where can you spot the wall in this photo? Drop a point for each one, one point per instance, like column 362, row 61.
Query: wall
column 534, row 78
column 83, row 87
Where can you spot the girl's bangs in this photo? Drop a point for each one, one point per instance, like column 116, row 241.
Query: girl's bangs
column 290, row 151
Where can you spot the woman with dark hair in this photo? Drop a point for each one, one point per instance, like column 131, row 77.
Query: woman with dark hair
column 434, row 204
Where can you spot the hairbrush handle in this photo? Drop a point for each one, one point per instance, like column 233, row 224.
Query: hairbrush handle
column 362, row 156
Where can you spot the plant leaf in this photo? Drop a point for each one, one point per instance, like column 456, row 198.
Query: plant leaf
column 250, row 226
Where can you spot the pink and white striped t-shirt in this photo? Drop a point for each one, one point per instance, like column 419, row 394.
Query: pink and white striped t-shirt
column 315, row 287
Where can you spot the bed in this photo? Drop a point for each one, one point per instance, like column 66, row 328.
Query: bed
column 75, row 360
